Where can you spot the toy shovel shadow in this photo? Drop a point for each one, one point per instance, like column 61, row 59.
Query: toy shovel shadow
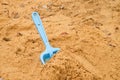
column 50, row 51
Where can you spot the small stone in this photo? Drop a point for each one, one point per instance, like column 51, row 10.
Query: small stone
column 19, row 34
column 117, row 28
column 112, row 45
column 19, row 50
column 6, row 39
column 97, row 27
column 16, row 15
column 45, row 6
column 109, row 34
column 61, row 7
column 64, row 33
column 4, row 3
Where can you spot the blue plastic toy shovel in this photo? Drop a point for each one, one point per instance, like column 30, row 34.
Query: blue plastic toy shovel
column 50, row 51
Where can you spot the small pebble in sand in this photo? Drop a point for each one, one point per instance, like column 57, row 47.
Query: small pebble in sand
column 19, row 34
column 112, row 45
column 6, row 39
column 4, row 3
column 16, row 15
column 117, row 28
column 97, row 27
column 64, row 33
column 109, row 34
column 19, row 50
column 61, row 7
column 45, row 7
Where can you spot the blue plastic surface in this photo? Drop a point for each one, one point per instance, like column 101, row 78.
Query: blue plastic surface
column 50, row 51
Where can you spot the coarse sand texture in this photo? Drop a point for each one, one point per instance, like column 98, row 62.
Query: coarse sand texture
column 86, row 31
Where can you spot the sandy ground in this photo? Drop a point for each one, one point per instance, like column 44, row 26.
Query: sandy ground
column 86, row 31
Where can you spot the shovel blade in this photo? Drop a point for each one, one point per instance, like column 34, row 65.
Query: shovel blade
column 45, row 56
column 55, row 50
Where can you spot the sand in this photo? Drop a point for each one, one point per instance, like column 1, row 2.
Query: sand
column 86, row 31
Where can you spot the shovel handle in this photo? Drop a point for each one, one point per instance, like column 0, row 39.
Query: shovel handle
column 37, row 21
